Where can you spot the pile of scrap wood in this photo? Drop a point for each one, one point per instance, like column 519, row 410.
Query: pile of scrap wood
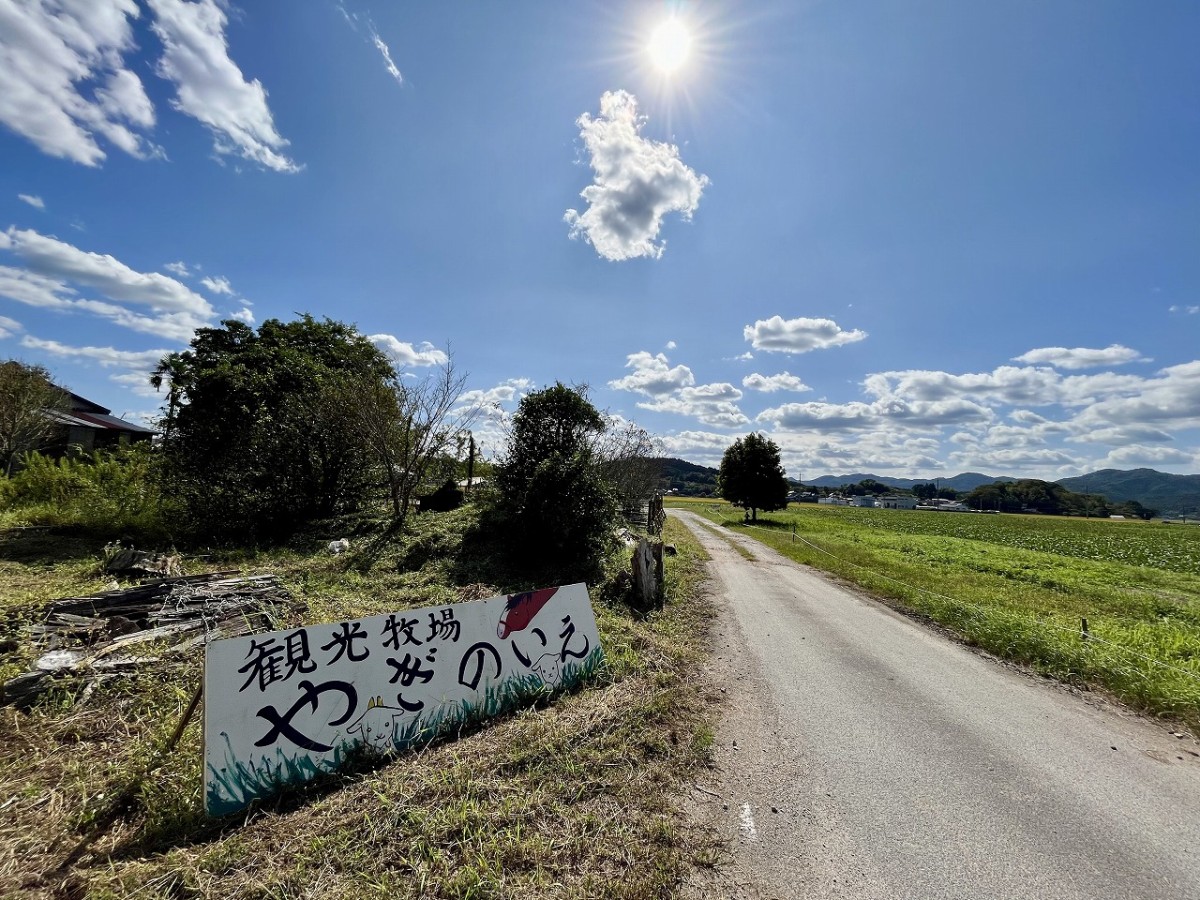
column 124, row 560
column 122, row 630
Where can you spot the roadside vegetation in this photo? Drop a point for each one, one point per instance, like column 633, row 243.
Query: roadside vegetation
column 276, row 443
column 1021, row 586
column 573, row 797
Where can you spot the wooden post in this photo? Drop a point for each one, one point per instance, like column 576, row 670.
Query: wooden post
column 1084, row 634
column 647, row 565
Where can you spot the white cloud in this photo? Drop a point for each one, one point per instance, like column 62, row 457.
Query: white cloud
column 137, row 382
column 637, row 183
column 209, row 85
column 53, row 258
column 245, row 314
column 702, row 447
column 1170, row 400
column 505, row 392
column 854, row 416
column 135, row 365
column 1009, row 385
column 402, row 353
column 1021, row 461
column 1186, row 310
column 1080, row 357
column 387, row 55
column 54, row 270
column 715, row 414
column 1122, row 435
column 33, row 290
column 32, row 200
column 769, row 383
column 1138, row 456
column 353, row 20
column 1026, row 417
column 779, row 335
column 653, row 375
column 178, row 268
column 108, row 357
column 494, row 407
column 219, row 285
column 52, row 55
column 714, row 405
column 9, row 327
column 671, row 345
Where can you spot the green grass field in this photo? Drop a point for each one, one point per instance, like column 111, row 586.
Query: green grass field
column 1020, row 586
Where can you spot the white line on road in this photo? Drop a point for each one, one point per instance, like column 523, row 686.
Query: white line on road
column 749, row 832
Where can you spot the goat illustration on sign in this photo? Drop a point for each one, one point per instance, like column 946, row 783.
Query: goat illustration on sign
column 377, row 726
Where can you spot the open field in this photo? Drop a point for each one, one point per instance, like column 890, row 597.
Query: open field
column 579, row 796
column 1020, row 586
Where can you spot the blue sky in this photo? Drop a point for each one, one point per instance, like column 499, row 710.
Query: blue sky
column 910, row 238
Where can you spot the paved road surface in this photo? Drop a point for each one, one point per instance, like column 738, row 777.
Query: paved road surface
column 863, row 755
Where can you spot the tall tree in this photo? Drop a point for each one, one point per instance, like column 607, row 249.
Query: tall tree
column 554, row 500
column 255, row 446
column 751, row 475
column 27, row 399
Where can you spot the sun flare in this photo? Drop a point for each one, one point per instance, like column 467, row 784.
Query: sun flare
column 669, row 45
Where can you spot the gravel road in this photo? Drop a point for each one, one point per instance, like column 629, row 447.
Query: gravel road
column 863, row 755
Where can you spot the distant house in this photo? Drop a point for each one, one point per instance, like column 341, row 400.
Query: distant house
column 895, row 501
column 833, row 500
column 942, row 505
column 867, row 501
column 84, row 426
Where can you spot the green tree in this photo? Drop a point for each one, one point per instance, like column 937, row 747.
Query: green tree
column 995, row 496
column 27, row 397
column 257, row 443
column 925, row 491
column 751, row 475
column 556, row 505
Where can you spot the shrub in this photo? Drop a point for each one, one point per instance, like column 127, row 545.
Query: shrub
column 105, row 493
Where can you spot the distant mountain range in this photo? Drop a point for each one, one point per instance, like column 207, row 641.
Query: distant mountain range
column 967, row 481
column 1172, row 495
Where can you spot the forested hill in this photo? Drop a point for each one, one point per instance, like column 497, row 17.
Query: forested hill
column 967, row 481
column 687, row 479
column 1172, row 494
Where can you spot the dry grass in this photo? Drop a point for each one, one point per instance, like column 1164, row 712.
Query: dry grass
column 576, row 798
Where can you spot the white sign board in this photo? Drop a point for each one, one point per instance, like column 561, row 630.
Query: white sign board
column 285, row 706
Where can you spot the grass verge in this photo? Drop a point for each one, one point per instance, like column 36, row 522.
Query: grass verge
column 578, row 797
column 1020, row 587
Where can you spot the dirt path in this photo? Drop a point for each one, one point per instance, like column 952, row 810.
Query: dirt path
column 865, row 756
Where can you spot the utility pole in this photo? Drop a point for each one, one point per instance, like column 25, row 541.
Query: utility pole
column 470, row 462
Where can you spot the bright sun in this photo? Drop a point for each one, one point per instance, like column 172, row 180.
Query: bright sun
column 669, row 45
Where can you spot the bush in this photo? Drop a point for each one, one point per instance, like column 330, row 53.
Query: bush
column 258, row 439
column 105, row 493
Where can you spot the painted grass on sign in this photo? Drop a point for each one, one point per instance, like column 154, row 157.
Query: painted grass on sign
column 1020, row 586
